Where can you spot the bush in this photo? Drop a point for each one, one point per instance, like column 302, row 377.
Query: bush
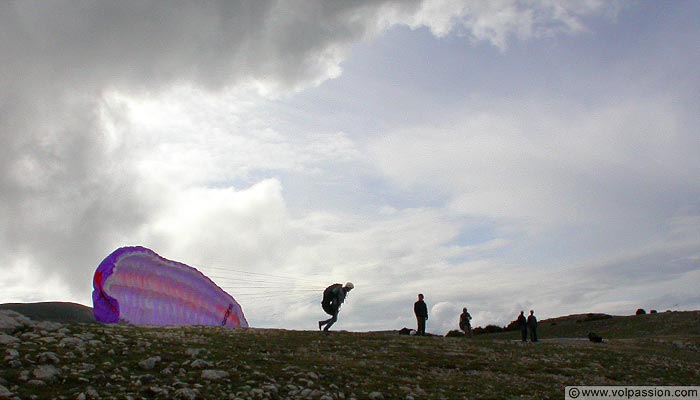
column 513, row 326
column 488, row 329
column 640, row 311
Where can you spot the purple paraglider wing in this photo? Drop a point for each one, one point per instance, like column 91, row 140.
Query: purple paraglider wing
column 137, row 286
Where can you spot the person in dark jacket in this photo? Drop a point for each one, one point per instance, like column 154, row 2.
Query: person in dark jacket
column 465, row 322
column 532, row 326
column 522, row 324
column 333, row 297
column 421, row 311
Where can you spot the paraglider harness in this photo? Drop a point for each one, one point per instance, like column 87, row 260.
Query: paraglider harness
column 227, row 314
column 330, row 301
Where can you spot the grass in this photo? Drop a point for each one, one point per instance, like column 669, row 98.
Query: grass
column 614, row 327
column 353, row 365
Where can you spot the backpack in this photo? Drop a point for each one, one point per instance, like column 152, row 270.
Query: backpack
column 329, row 297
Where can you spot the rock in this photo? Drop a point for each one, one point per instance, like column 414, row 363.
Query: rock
column 376, row 396
column 193, row 352
column 5, row 392
column 30, row 336
column 214, row 374
column 7, row 339
column 46, row 372
column 91, row 393
column 315, row 394
column 10, row 321
column 594, row 337
column 201, row 364
column 149, row 363
column 48, row 358
column 11, row 354
column 270, row 389
column 48, row 326
column 185, row 394
column 71, row 342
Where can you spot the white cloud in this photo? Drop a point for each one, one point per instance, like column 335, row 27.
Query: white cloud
column 501, row 21
column 222, row 226
column 541, row 165
column 192, row 137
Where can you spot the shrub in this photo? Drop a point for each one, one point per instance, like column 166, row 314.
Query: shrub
column 513, row 326
column 640, row 311
column 488, row 329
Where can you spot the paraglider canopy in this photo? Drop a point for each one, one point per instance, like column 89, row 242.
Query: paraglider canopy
column 137, row 286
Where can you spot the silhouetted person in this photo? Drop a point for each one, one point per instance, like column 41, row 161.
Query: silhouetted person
column 522, row 324
column 333, row 297
column 465, row 322
column 532, row 326
column 421, row 311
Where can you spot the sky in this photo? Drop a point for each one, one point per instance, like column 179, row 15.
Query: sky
column 501, row 156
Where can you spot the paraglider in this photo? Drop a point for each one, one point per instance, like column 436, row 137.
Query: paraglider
column 137, row 286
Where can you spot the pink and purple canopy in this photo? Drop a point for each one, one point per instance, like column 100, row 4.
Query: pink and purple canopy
column 137, row 286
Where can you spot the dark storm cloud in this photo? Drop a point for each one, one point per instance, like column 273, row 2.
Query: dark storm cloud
column 151, row 43
column 65, row 196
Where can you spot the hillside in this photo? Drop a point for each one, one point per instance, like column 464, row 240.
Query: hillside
column 53, row 311
column 613, row 327
column 86, row 361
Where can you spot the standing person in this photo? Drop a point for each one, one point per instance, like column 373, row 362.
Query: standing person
column 333, row 297
column 532, row 326
column 522, row 324
column 421, row 311
column 464, row 322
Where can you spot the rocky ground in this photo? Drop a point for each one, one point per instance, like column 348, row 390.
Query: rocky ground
column 45, row 360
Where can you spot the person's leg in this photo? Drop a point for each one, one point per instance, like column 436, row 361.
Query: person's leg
column 523, row 334
column 421, row 325
column 330, row 322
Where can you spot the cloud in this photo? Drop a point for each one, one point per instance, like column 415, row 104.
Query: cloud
column 159, row 122
column 548, row 165
column 499, row 22
column 591, row 207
